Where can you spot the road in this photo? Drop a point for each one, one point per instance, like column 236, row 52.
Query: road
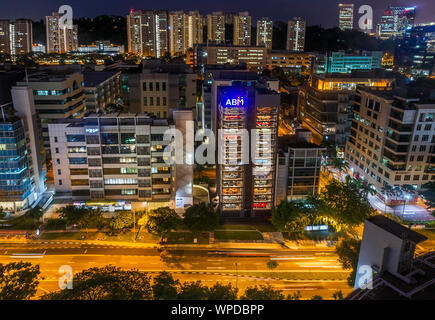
column 208, row 265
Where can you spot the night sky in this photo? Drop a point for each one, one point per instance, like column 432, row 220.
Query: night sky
column 323, row 12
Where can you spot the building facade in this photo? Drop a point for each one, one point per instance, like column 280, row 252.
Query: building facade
column 292, row 61
column 102, row 88
column 298, row 167
column 394, row 22
column 392, row 137
column 147, row 33
column 325, row 106
column 60, row 39
column 341, row 62
column 247, row 118
column 16, row 37
column 296, row 34
column 345, row 16
column 264, row 32
column 122, row 157
column 216, row 27
column 57, row 95
column 242, row 29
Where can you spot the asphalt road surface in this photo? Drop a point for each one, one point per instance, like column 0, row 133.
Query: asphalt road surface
column 208, row 265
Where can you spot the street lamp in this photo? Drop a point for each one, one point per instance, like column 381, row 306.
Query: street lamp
column 237, row 276
column 407, row 198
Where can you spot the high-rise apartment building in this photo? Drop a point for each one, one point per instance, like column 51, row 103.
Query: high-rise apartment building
column 122, row 157
column 264, row 32
column 178, row 33
column 296, row 34
column 147, row 33
column 16, row 37
column 345, row 16
column 57, row 94
column 102, row 89
column 392, row 137
column 194, row 28
column 325, row 106
column 60, row 39
column 242, row 29
column 216, row 27
column 247, row 117
column 394, row 22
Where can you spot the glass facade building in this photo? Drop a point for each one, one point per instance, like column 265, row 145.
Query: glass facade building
column 15, row 184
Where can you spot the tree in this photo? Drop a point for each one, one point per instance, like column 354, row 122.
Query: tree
column 222, row 292
column 387, row 191
column 161, row 221
column 428, row 194
column 123, row 221
column 142, row 220
column 165, row 287
column 193, row 291
column 200, row 217
column 342, row 204
column 272, row 264
column 263, row 292
column 341, row 165
column 107, row 283
column 289, row 217
column 18, row 280
column 295, row 296
column 316, row 297
column 36, row 214
column 347, row 250
column 90, row 219
column 71, row 213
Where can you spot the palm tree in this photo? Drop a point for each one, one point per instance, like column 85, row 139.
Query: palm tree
column 341, row 165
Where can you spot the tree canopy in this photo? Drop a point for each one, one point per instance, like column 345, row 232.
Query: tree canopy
column 161, row 221
column 347, row 250
column 18, row 280
column 200, row 217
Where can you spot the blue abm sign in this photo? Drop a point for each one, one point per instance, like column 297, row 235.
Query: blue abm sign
column 234, row 99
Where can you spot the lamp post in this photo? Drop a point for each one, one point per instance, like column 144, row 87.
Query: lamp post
column 407, row 197
column 237, row 276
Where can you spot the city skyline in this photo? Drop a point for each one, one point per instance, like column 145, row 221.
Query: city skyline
column 327, row 15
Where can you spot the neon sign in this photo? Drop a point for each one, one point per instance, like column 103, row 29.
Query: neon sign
column 235, row 102
column 92, row 130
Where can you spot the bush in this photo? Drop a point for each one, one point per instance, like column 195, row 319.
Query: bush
column 56, row 224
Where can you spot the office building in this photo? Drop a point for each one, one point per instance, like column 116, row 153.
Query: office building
column 345, row 16
column 16, row 37
column 298, row 167
column 394, row 22
column 264, row 32
column 60, row 39
column 122, row 157
column 102, row 89
column 242, row 29
column 296, row 34
column 22, row 177
column 225, row 75
column 325, row 106
column 392, row 137
column 147, row 33
column 247, row 117
column 254, row 57
column 341, row 62
column 216, row 27
column 415, row 54
column 58, row 93
column 163, row 86
column 390, row 268
column 290, row 61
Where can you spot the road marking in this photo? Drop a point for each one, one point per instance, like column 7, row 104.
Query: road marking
column 294, row 258
column 218, row 260
column 215, row 268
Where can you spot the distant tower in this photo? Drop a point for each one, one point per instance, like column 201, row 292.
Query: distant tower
column 242, row 29
column 216, row 27
column 264, row 32
column 345, row 16
column 296, row 34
